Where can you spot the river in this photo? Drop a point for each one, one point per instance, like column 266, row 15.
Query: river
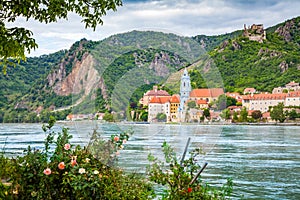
column 263, row 161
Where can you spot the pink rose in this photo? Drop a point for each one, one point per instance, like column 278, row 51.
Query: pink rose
column 67, row 146
column 116, row 138
column 124, row 141
column 47, row 171
column 73, row 162
column 61, row 165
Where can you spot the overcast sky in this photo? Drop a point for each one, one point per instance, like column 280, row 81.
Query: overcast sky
column 182, row 17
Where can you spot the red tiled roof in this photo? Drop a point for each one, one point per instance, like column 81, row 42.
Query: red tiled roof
column 280, row 96
column 160, row 100
column 293, row 94
column 204, row 92
column 175, row 99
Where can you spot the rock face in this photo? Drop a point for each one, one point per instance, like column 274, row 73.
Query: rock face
column 83, row 78
column 285, row 30
column 236, row 45
column 283, row 66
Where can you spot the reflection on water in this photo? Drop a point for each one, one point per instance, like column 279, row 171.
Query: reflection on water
column 263, row 161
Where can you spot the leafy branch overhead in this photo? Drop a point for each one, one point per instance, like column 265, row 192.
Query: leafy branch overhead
column 15, row 41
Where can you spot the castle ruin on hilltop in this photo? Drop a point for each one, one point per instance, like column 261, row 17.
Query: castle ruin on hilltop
column 255, row 33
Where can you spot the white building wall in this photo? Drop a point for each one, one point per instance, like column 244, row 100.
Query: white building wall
column 292, row 101
column 263, row 104
column 155, row 108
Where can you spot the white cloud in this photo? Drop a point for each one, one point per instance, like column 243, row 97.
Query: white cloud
column 183, row 17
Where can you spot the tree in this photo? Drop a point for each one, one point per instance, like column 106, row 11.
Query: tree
column 206, row 113
column 224, row 101
column 235, row 116
column 161, row 117
column 225, row 114
column 256, row 114
column 108, row 117
column 243, row 115
column 15, row 41
column 144, row 116
column 292, row 114
column 277, row 113
column 191, row 104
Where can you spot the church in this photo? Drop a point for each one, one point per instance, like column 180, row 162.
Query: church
column 185, row 89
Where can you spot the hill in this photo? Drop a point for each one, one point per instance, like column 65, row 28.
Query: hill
column 244, row 63
column 91, row 74
column 108, row 75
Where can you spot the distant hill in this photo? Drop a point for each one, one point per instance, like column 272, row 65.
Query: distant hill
column 244, row 63
column 109, row 74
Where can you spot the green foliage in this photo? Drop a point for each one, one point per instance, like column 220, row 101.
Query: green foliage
column 254, row 64
column 177, row 177
column 16, row 41
column 224, row 101
column 206, row 113
column 161, row 117
column 191, row 104
column 21, row 80
column 277, row 113
column 65, row 171
column 108, row 117
column 292, row 115
column 256, row 114
column 225, row 114
column 100, row 102
column 243, row 115
column 211, row 42
column 144, row 116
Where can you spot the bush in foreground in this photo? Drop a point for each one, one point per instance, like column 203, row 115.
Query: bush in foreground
column 69, row 172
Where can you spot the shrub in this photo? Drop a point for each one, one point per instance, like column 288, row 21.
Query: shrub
column 63, row 171
column 177, row 177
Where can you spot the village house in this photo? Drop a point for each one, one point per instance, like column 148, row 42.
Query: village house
column 249, row 91
column 202, row 104
column 263, row 102
column 208, row 94
column 235, row 95
column 291, row 86
column 153, row 93
column 167, row 105
column 292, row 99
column 174, row 106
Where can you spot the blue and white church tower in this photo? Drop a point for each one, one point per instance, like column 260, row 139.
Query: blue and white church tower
column 185, row 89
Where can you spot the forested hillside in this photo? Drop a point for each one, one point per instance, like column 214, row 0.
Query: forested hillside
column 109, row 74
column 244, row 63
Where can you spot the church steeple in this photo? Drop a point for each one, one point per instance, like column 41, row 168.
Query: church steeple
column 185, row 89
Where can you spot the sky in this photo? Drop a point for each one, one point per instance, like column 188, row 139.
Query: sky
column 182, row 17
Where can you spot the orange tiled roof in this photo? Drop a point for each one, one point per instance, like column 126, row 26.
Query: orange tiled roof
column 204, row 92
column 293, row 94
column 160, row 100
column 280, row 96
column 175, row 99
